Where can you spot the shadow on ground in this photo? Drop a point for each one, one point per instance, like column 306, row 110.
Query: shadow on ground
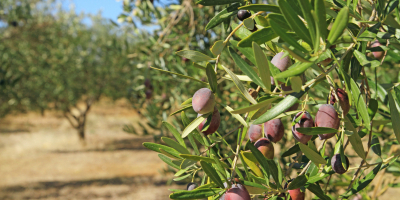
column 116, row 145
column 85, row 189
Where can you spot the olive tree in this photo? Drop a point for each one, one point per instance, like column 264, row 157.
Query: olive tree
column 325, row 79
column 64, row 64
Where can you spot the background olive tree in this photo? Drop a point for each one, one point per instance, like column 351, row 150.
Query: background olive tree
column 57, row 62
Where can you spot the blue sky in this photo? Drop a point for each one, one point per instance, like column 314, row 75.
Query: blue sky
column 109, row 8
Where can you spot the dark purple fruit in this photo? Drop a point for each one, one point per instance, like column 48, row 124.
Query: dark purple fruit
column 214, row 125
column 306, row 121
column 237, row 192
column 191, row 186
column 203, row 101
column 274, row 130
column 243, row 14
column 344, row 100
column 281, row 63
column 254, row 132
column 149, row 93
column 337, row 166
column 265, row 147
column 147, row 83
column 327, row 117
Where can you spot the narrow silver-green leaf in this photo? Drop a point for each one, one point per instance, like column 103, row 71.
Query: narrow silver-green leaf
column 246, row 51
column 280, row 20
column 175, row 145
column 158, row 147
column 294, row 21
column 260, row 36
column 360, row 104
column 213, row 2
column 355, row 139
column 242, row 32
column 236, row 116
column 394, row 112
column 262, row 7
column 182, row 177
column 249, row 23
column 195, row 56
column 223, row 15
column 210, row 171
column 247, row 69
column 181, row 75
column 175, row 133
column 319, row 7
column 217, row 48
column 240, row 86
column 168, row 161
column 254, row 107
column 312, row 155
column 200, row 193
column 307, row 13
column 262, row 64
column 285, row 36
column 212, row 78
column 280, row 107
column 294, row 71
column 316, row 130
column 296, row 83
column 298, row 182
column 193, row 125
column 181, row 109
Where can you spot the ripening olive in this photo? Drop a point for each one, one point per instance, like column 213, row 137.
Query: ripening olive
column 305, row 121
column 203, row 101
column 327, row 117
column 214, row 124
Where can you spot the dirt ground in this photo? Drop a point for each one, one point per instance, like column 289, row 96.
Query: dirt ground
column 41, row 158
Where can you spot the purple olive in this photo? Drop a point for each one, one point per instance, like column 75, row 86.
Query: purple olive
column 337, row 166
column 254, row 132
column 306, row 121
column 344, row 100
column 281, row 63
column 265, row 147
column 203, row 101
column 274, row 130
column 214, row 124
column 237, row 192
column 243, row 14
column 377, row 54
column 327, row 117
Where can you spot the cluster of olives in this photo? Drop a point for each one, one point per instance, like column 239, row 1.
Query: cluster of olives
column 203, row 102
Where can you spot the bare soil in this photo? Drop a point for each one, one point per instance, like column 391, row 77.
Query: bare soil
column 41, row 157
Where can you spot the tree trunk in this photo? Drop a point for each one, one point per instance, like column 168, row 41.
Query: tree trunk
column 81, row 132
